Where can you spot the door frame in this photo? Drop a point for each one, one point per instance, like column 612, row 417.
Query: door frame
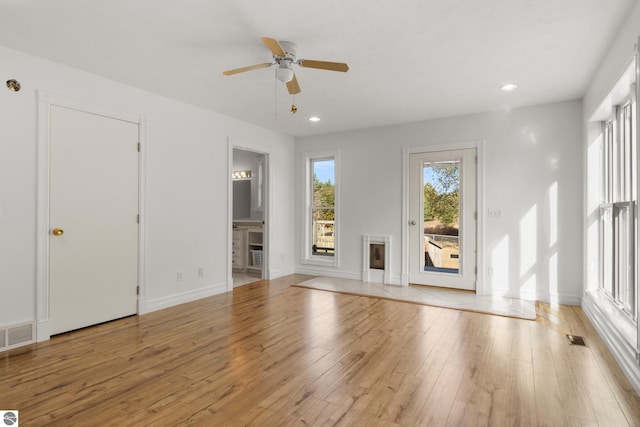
column 266, row 196
column 480, row 225
column 45, row 101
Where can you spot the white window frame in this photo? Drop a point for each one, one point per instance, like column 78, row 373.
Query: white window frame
column 617, row 209
column 307, row 239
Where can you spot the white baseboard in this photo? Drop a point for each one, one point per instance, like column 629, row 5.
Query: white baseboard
column 618, row 345
column 565, row 299
column 43, row 331
column 276, row 273
column 556, row 298
column 148, row 305
column 319, row 271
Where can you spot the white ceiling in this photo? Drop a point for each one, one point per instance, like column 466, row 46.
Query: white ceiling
column 410, row 60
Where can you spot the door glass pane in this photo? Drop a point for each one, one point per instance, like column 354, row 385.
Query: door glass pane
column 441, row 183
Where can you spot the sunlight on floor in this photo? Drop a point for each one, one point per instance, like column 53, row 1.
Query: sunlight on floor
column 458, row 300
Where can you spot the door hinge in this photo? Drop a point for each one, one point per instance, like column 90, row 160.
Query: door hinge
column 475, row 215
column 137, row 290
column 138, row 147
column 138, row 219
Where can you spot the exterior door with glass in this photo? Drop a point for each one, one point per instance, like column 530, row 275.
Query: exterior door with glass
column 442, row 218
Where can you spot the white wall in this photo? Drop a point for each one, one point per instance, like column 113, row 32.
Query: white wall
column 530, row 155
column 616, row 59
column 186, row 185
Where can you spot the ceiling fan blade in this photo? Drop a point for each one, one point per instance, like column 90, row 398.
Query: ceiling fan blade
column 292, row 86
column 324, row 65
column 274, row 46
column 249, row 68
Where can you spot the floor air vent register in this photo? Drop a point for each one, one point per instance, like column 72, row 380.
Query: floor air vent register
column 16, row 336
column 576, row 340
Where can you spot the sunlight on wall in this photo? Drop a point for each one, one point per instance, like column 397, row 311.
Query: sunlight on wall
column 594, row 165
column 499, row 272
column 552, row 284
column 528, row 288
column 528, row 252
column 528, row 240
column 553, row 279
column 594, row 173
column 553, row 214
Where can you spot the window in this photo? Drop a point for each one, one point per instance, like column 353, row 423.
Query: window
column 321, row 213
column 617, row 218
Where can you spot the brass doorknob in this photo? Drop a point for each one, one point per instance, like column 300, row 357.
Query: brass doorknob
column 58, row 231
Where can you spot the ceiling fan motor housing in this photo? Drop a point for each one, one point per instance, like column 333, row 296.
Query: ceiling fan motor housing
column 290, row 49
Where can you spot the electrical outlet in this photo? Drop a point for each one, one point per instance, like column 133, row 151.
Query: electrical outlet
column 179, row 276
column 200, row 272
column 494, row 213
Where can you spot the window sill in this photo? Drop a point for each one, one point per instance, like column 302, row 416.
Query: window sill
column 321, row 260
column 616, row 317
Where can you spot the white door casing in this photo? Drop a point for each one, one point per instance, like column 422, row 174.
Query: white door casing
column 93, row 265
column 465, row 276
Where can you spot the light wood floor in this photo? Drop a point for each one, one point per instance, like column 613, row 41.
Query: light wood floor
column 269, row 354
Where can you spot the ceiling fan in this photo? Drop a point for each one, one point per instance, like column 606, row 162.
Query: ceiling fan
column 284, row 56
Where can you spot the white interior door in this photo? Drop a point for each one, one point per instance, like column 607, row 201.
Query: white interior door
column 442, row 219
column 93, row 208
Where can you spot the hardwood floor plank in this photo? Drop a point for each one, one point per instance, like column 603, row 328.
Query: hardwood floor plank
column 269, row 354
column 549, row 397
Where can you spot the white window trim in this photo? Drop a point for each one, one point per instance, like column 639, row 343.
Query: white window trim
column 618, row 193
column 308, row 257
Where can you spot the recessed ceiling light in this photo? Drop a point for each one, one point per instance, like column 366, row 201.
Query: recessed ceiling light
column 314, row 119
column 509, row 87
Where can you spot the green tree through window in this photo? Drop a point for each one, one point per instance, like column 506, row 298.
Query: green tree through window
column 441, row 193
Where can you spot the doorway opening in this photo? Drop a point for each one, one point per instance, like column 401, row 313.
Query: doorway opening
column 248, row 231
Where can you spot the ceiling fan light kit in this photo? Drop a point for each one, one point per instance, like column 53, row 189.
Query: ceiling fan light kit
column 284, row 73
column 284, row 56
